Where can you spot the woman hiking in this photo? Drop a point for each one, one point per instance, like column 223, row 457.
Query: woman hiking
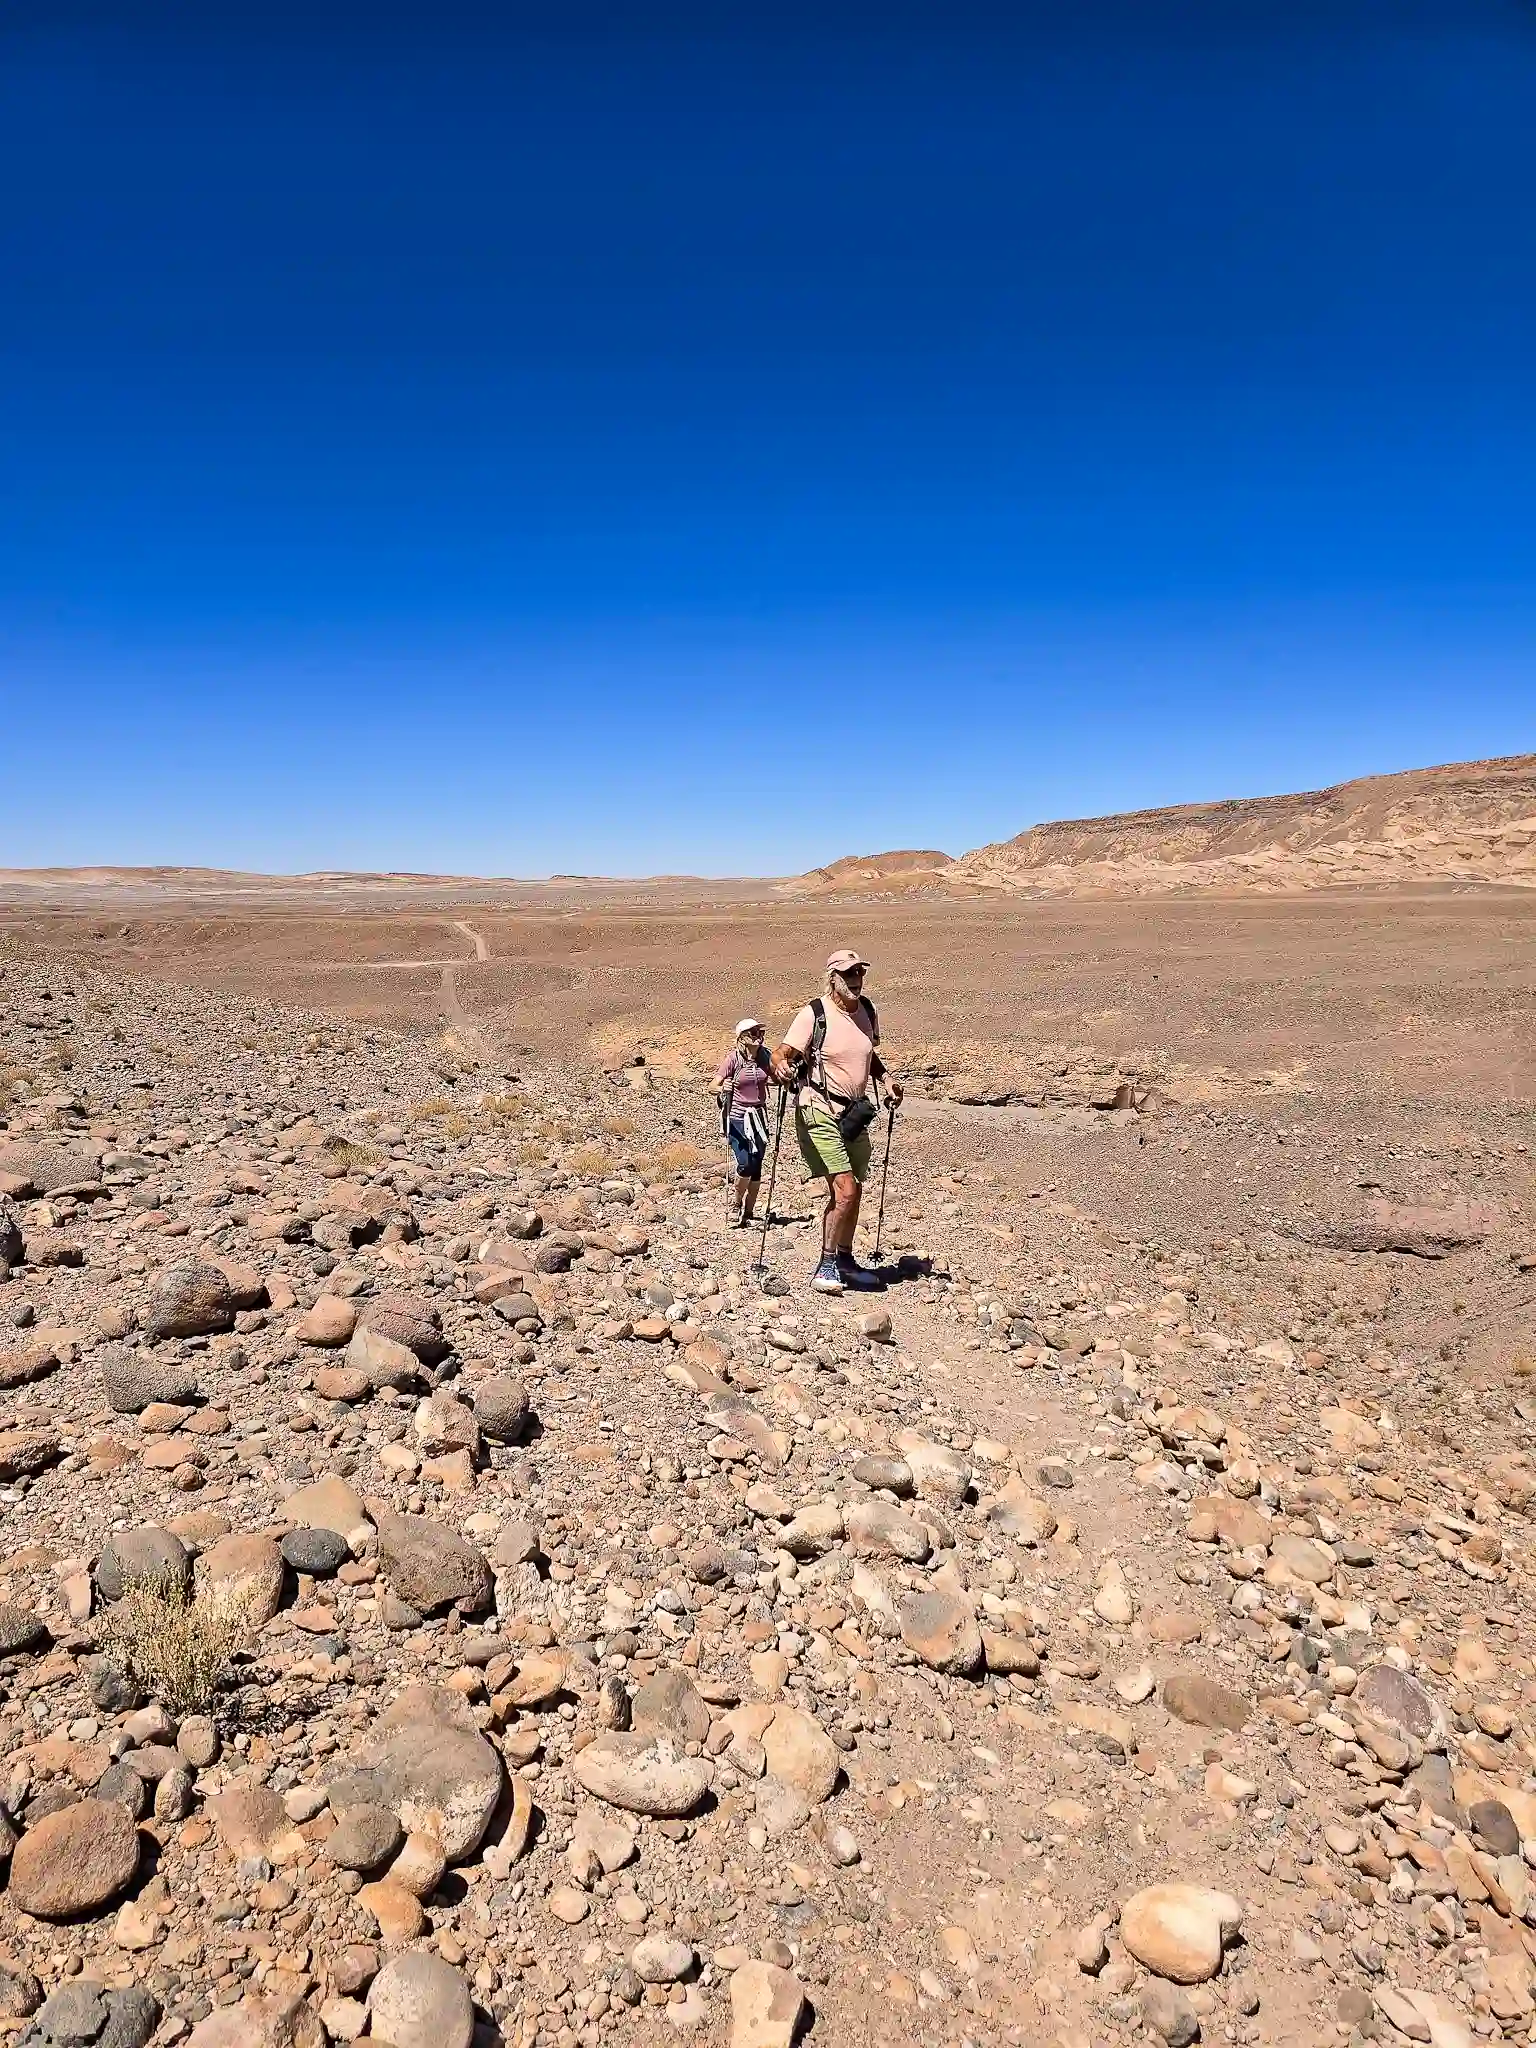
column 741, row 1086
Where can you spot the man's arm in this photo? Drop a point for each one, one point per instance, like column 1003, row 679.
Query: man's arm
column 785, row 1064
column 789, row 1055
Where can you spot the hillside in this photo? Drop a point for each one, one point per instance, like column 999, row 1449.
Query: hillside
column 1466, row 822
column 871, row 873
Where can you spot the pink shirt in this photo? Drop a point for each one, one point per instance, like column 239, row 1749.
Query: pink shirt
column 848, row 1051
column 750, row 1080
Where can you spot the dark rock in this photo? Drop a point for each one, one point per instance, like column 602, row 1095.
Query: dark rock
column 320, row 1552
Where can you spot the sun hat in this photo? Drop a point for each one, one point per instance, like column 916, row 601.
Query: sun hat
column 747, row 1024
column 840, row 962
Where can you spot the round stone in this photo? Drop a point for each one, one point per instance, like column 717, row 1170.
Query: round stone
column 364, row 1837
column 75, row 1861
column 1179, row 1930
column 661, row 1959
column 419, row 2001
column 131, row 1555
column 319, row 1552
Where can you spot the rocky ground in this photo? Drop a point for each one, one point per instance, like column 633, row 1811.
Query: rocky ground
column 1119, row 1627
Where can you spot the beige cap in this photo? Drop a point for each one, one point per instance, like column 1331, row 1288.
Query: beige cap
column 748, row 1024
column 840, row 962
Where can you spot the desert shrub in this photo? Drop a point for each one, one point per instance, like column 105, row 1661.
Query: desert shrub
column 503, row 1108
column 175, row 1641
column 532, row 1155
column 619, row 1127
column 590, row 1159
column 429, row 1109
column 668, row 1161
column 352, row 1155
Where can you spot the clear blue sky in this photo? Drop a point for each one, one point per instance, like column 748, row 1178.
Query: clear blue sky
column 642, row 438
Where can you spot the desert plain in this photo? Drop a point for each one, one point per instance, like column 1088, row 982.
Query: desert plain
column 1118, row 1628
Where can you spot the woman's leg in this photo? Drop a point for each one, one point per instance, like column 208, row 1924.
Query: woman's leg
column 749, row 1192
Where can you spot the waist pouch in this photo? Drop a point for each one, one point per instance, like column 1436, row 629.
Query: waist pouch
column 856, row 1118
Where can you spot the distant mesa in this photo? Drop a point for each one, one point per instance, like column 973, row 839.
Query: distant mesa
column 872, row 873
column 1467, row 823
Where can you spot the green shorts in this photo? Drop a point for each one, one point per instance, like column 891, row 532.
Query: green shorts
column 825, row 1150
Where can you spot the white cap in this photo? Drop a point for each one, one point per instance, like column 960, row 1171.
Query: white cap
column 748, row 1024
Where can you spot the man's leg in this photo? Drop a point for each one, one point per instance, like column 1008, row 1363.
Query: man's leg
column 847, row 1194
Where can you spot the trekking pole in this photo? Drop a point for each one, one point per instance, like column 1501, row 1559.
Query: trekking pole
column 773, row 1173
column 885, row 1174
column 731, row 1175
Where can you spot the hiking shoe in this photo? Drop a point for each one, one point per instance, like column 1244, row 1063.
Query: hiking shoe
column 827, row 1279
column 858, row 1277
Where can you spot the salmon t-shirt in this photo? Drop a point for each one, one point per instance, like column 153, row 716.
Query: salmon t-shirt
column 847, row 1052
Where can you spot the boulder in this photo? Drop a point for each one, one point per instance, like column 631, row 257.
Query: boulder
column 939, row 1472
column 426, row 1762
column 1388, row 1694
column 444, row 1424
column 135, row 1380
column 247, row 1570
column 1204, row 1702
column 384, row 1362
column 20, row 1630
column 767, row 2006
column 501, row 1407
column 888, row 1475
column 82, row 2011
column 48, row 1164
column 319, row 1552
column 132, row 1555
column 253, row 1824
column 669, row 1704
column 877, row 1527
column 642, row 1774
column 941, row 1629
column 429, row 1566
column 189, row 1300
column 75, row 1861
column 26, row 1452
column 801, row 1753
column 280, row 2020
column 407, row 1321
column 419, row 2001
column 22, row 1368
column 1179, row 1931
column 329, row 1323
column 364, row 1838
column 330, row 1503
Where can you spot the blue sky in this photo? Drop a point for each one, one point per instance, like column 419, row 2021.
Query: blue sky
column 632, row 439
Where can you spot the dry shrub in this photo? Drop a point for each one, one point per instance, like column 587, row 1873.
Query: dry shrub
column 176, row 1642
column 532, row 1155
column 456, row 1124
column 61, row 1055
column 619, row 1127
column 670, row 1160
column 352, row 1156
column 433, row 1106
column 503, row 1108
column 1524, row 1368
column 589, row 1159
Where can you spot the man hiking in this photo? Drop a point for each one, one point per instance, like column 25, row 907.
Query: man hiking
column 829, row 1055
